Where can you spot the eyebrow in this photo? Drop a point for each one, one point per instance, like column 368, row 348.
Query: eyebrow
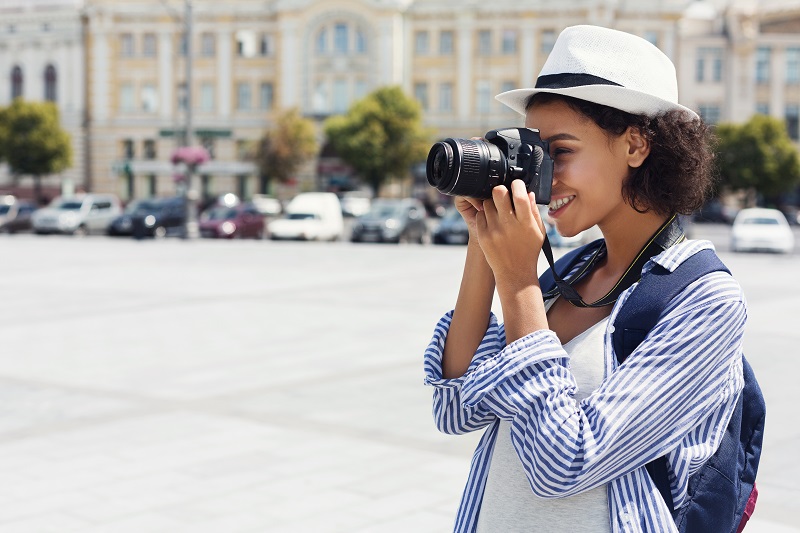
column 562, row 137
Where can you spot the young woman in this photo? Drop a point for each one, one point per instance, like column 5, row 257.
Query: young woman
column 568, row 430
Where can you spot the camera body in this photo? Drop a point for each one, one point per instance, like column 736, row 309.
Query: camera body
column 462, row 167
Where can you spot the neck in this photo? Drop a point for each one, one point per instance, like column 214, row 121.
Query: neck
column 627, row 235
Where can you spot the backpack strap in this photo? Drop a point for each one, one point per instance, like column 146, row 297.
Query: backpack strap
column 640, row 313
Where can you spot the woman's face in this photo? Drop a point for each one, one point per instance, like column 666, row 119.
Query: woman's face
column 589, row 167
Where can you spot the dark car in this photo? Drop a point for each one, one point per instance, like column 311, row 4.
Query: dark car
column 15, row 215
column 392, row 220
column 452, row 229
column 122, row 226
column 159, row 218
column 236, row 222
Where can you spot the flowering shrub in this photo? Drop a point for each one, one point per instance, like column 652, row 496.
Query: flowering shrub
column 191, row 156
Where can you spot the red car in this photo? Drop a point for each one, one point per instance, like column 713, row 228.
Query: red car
column 236, row 222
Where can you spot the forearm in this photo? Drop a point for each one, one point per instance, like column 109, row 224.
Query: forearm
column 523, row 308
column 471, row 314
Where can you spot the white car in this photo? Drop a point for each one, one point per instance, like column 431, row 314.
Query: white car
column 757, row 229
column 77, row 215
column 310, row 216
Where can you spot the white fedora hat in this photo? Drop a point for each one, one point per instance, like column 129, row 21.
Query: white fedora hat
column 606, row 67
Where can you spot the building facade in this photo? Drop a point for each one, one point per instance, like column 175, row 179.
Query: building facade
column 251, row 59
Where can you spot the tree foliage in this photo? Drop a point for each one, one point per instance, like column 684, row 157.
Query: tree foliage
column 380, row 136
column 284, row 148
column 757, row 156
column 32, row 141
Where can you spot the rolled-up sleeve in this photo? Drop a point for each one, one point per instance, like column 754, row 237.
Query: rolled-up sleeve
column 450, row 414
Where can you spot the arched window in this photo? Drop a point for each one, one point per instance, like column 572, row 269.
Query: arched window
column 322, row 41
column 16, row 82
column 50, row 80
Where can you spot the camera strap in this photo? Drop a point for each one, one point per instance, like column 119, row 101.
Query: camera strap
column 669, row 234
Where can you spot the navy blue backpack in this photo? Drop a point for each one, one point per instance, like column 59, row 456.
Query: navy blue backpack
column 722, row 494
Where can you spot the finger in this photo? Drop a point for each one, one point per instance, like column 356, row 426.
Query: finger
column 502, row 202
column 537, row 215
column 490, row 210
column 480, row 223
column 522, row 204
column 476, row 203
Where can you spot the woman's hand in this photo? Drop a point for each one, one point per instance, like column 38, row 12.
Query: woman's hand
column 511, row 233
column 469, row 208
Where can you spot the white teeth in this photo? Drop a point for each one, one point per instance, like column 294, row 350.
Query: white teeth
column 559, row 203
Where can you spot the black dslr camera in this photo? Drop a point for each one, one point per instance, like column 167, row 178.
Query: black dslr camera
column 461, row 167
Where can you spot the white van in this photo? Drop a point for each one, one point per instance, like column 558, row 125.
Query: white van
column 310, row 216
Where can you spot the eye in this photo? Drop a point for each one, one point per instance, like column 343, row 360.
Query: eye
column 558, row 152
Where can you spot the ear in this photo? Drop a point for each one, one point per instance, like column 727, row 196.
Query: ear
column 638, row 147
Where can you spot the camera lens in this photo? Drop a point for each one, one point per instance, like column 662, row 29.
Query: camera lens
column 461, row 167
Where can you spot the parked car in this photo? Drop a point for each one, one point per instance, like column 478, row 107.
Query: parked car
column 15, row 214
column 392, row 220
column 760, row 229
column 123, row 225
column 267, row 205
column 310, row 216
column 77, row 215
column 159, row 218
column 355, row 204
column 239, row 221
column 715, row 211
column 452, row 229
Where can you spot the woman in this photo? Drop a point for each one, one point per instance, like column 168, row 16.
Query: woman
column 569, row 431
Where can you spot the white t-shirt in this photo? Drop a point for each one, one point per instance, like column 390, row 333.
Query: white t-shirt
column 509, row 505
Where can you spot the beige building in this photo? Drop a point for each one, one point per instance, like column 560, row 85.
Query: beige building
column 250, row 59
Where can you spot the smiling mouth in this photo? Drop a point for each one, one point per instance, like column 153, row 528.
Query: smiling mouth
column 558, row 203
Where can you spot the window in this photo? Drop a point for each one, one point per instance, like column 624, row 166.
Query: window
column 208, row 45
column 709, row 113
column 762, row 64
column 243, row 96
column 651, row 37
column 446, row 97
column 149, row 45
column 207, row 142
column 182, row 96
column 207, row 97
column 267, row 45
column 128, row 149
column 421, row 42
column 127, row 98
column 340, row 38
column 709, row 65
column 183, row 47
column 267, row 95
column 446, row 43
column 126, row 45
column 340, row 96
column 506, row 86
column 322, row 41
column 361, row 42
column 484, row 42
column 320, row 100
column 762, row 108
column 152, row 182
column 361, row 89
column 421, row 94
column 793, row 121
column 793, row 66
column 50, row 85
column 149, row 98
column 245, row 43
column 509, row 41
column 16, row 82
column 482, row 96
column 548, row 41
column 149, row 149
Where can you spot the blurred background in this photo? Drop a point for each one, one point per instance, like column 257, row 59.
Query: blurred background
column 156, row 378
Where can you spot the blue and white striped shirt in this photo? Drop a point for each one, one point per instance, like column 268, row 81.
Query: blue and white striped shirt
column 673, row 396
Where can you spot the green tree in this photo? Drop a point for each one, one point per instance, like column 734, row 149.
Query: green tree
column 757, row 156
column 282, row 150
column 381, row 135
column 32, row 141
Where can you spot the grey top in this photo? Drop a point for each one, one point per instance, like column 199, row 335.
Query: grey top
column 509, row 505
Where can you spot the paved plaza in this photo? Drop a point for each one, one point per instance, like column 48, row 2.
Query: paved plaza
column 236, row 387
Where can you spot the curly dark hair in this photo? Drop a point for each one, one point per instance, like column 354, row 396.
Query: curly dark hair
column 677, row 176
